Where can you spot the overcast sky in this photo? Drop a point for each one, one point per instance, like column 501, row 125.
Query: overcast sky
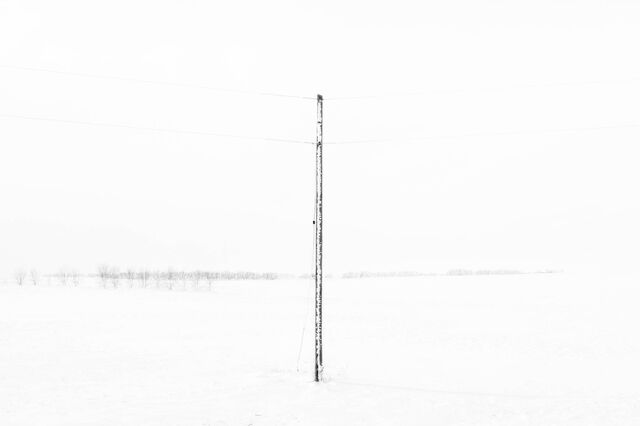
column 505, row 134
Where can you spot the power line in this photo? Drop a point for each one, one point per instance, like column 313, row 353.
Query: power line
column 335, row 98
column 480, row 134
column 308, row 142
column 520, row 86
column 157, row 129
column 156, row 82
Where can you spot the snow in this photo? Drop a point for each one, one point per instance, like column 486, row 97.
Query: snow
column 538, row 349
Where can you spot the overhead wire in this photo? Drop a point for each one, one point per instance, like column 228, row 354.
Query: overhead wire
column 157, row 129
column 481, row 134
column 398, row 140
column 326, row 98
column 517, row 86
column 339, row 98
column 157, row 82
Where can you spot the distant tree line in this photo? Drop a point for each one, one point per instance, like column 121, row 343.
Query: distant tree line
column 484, row 272
column 365, row 274
column 33, row 277
column 451, row 272
column 110, row 276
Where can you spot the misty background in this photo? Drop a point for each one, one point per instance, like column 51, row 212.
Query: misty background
column 501, row 135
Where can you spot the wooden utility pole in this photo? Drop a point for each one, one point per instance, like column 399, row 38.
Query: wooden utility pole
column 318, row 245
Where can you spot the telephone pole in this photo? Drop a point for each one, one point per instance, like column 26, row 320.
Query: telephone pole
column 318, row 245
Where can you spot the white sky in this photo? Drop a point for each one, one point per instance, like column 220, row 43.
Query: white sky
column 513, row 194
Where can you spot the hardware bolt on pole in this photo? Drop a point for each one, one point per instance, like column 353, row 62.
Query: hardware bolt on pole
column 318, row 245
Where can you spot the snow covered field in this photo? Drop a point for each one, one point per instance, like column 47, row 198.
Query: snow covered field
column 549, row 349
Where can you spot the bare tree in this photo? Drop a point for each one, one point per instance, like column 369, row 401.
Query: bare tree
column 63, row 276
column 34, row 276
column 157, row 277
column 130, row 275
column 103, row 274
column 143, row 276
column 20, row 276
column 114, row 275
column 75, row 277
column 210, row 277
column 170, row 277
column 184, row 277
column 196, row 276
